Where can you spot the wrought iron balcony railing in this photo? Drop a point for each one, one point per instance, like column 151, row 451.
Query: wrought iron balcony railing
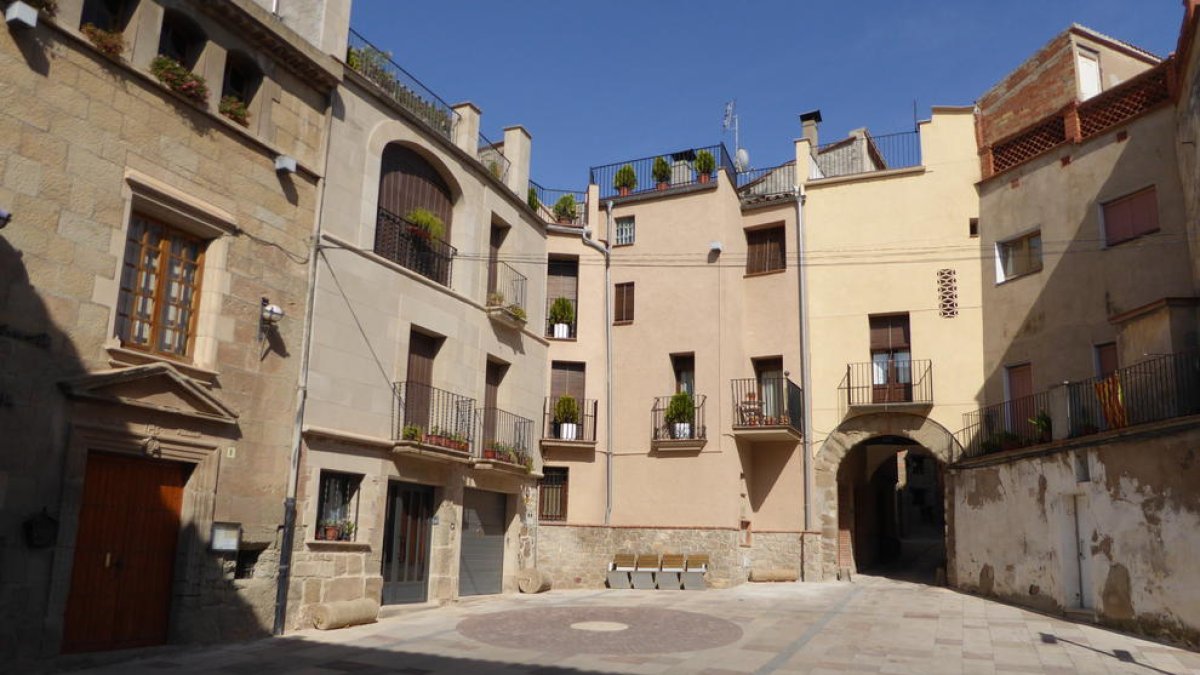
column 767, row 402
column 681, row 163
column 668, row 427
column 491, row 156
column 504, row 436
column 412, row 247
column 1017, row 423
column 1158, row 389
column 582, row 429
column 547, row 200
column 377, row 66
column 864, row 153
column 432, row 416
column 889, row 381
column 507, row 290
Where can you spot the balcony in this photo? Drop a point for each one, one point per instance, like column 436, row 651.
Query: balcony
column 553, row 207
column 683, row 174
column 889, row 383
column 760, row 186
column 678, row 429
column 580, row 434
column 377, row 66
column 561, row 331
column 506, row 299
column 491, row 156
column 411, row 247
column 863, row 153
column 504, row 441
column 432, row 422
column 1158, row 389
column 767, row 409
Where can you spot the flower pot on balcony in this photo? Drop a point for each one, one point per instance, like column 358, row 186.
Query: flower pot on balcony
column 568, row 431
column 661, row 187
column 623, row 191
column 681, row 430
column 562, row 331
column 704, row 177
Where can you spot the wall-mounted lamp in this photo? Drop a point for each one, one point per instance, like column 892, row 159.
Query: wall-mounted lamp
column 285, row 164
column 5, row 216
column 21, row 15
column 268, row 317
column 715, row 247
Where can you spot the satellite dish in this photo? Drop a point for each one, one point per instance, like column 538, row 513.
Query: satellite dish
column 741, row 159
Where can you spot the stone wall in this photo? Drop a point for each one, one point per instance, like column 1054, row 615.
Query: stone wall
column 1138, row 505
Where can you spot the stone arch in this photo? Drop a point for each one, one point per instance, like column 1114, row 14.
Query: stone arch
column 849, row 434
column 392, row 133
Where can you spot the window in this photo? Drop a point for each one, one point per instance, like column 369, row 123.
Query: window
column 625, row 231
column 562, row 281
column 242, row 78
column 552, row 502
column 1088, row 64
column 623, row 303
column 765, row 250
column 891, row 359
column 973, row 227
column 1130, row 217
column 684, row 366
column 1106, row 359
column 181, row 39
column 337, row 506
column 1018, row 257
column 159, row 292
column 110, row 15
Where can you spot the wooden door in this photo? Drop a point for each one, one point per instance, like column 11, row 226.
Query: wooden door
column 891, row 359
column 422, row 349
column 408, row 529
column 771, row 390
column 120, row 594
column 1020, row 406
column 491, row 392
column 495, row 241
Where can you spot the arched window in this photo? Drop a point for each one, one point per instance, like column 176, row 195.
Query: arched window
column 108, row 15
column 181, row 39
column 239, row 87
column 407, row 182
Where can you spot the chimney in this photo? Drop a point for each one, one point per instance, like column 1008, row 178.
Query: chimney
column 518, row 147
column 466, row 132
column 808, row 125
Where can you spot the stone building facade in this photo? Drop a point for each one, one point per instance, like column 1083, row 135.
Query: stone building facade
column 143, row 399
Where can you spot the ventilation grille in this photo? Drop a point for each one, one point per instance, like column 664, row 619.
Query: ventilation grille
column 947, row 283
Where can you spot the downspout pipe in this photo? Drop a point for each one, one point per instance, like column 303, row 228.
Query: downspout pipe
column 805, row 359
column 606, row 251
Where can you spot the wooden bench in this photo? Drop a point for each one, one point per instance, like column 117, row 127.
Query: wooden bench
column 694, row 570
column 618, row 570
column 643, row 577
column 671, row 566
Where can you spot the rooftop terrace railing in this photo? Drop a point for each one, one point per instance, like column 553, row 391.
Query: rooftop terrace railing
column 864, row 153
column 377, row 66
column 491, row 156
column 774, row 180
column 547, row 199
column 682, row 171
column 1160, row 388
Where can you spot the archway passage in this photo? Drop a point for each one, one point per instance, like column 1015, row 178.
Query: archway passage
column 890, row 510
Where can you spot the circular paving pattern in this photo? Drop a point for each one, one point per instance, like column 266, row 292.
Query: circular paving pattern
column 601, row 630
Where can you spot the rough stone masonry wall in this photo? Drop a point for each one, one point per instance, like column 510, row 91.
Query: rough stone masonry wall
column 1139, row 516
column 577, row 556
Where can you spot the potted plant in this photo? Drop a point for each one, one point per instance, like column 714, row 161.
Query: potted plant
column 235, row 109
column 531, row 198
column 680, row 413
column 564, row 209
column 562, row 315
column 425, row 224
column 626, row 180
column 662, row 173
column 172, row 73
column 411, row 432
column 566, row 416
column 111, row 43
column 329, row 530
column 495, row 299
column 704, row 164
column 346, row 530
column 517, row 312
column 1044, row 426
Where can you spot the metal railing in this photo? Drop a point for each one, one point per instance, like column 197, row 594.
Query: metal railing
column 864, row 153
column 682, row 165
column 676, row 430
column 767, row 402
column 377, row 66
column 491, row 156
column 409, row 245
column 1161, row 388
column 504, row 436
column 891, row 381
column 507, row 290
column 765, row 182
column 585, row 426
column 433, row 416
column 1017, row 423
column 547, row 199
column 570, row 334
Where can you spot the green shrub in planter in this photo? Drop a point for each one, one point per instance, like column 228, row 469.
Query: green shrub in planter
column 626, row 178
column 566, row 410
column 705, row 163
column 681, row 409
column 562, row 311
column 531, row 198
column 564, row 208
column 427, row 221
column 661, row 170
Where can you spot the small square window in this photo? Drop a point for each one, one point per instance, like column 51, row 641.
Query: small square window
column 337, row 506
column 625, row 231
column 973, row 227
column 1018, row 257
column 552, row 489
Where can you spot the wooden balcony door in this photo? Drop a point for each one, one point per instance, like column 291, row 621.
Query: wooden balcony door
column 891, row 359
column 422, row 349
column 120, row 594
column 1020, row 407
column 491, row 394
column 771, row 391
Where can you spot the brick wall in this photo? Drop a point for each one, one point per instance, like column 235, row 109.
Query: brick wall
column 1037, row 88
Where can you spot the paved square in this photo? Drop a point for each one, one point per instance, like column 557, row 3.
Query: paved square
column 871, row 626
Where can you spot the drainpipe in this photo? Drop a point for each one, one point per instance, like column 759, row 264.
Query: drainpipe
column 606, row 250
column 284, row 574
column 805, row 359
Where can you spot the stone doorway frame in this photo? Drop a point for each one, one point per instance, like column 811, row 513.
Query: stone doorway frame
column 860, row 429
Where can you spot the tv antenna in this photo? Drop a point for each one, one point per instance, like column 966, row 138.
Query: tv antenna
column 741, row 158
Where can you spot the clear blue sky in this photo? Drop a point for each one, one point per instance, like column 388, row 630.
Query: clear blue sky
column 601, row 82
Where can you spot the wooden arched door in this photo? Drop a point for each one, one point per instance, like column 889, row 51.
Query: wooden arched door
column 407, row 181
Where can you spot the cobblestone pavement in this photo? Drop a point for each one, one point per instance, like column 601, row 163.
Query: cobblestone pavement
column 871, row 626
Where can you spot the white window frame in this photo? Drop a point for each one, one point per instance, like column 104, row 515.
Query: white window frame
column 1001, row 277
column 618, row 239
